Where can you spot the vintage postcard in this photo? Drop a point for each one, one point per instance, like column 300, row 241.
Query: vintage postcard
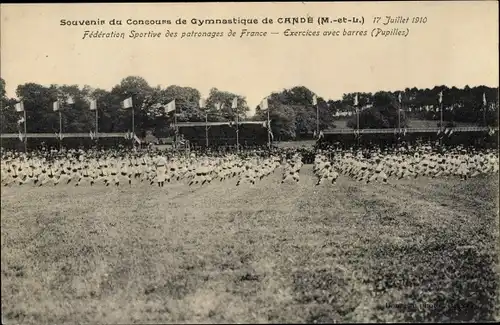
column 301, row 162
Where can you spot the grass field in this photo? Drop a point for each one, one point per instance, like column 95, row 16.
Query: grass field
column 421, row 250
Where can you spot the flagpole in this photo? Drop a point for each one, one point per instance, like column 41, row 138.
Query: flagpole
column 60, row 129
column 268, row 132
column 441, row 109
column 484, row 114
column 96, row 123
column 175, row 126
column 206, row 130
column 25, row 133
column 317, row 120
column 399, row 118
column 357, row 123
column 133, row 125
column 237, row 132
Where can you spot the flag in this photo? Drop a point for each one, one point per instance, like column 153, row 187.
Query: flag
column 20, row 135
column 440, row 97
column 234, row 104
column 93, row 105
column 321, row 135
column 356, row 100
column 314, row 134
column 70, row 100
column 484, row 99
column 263, row 104
column 404, row 132
column 21, row 120
column 127, row 103
column 20, row 107
column 91, row 135
column 217, row 106
column 55, row 106
column 202, row 103
column 450, row 133
column 399, row 98
column 315, row 100
column 136, row 138
column 170, row 107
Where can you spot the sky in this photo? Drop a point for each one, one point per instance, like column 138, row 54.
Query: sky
column 457, row 46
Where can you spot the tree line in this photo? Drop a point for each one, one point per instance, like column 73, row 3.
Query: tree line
column 291, row 111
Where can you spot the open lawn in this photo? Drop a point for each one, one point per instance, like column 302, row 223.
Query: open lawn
column 419, row 250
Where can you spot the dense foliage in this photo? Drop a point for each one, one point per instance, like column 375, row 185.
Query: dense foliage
column 292, row 112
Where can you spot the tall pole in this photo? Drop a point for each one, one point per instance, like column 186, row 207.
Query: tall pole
column 60, row 129
column 25, row 134
column 175, row 128
column 96, row 123
column 357, row 124
column 237, row 132
column 399, row 119
column 206, row 130
column 268, row 132
column 133, row 125
column 484, row 115
column 441, row 111
column 399, row 125
column 317, row 120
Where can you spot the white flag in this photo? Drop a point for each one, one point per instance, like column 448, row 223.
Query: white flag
column 55, row 106
column 217, row 106
column 263, row 104
column 93, row 105
column 484, row 99
column 356, row 102
column 170, row 107
column 234, row 104
column 202, row 103
column 127, row 103
column 399, row 98
column 20, row 107
column 70, row 100
column 440, row 97
column 315, row 100
column 21, row 120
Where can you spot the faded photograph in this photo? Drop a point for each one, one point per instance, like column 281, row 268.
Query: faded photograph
column 249, row 162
